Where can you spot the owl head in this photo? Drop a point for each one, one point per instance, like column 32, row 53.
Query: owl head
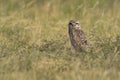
column 74, row 24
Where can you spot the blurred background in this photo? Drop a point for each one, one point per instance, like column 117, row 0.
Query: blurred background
column 34, row 41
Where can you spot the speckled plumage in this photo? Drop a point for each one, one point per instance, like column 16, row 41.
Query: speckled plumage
column 77, row 36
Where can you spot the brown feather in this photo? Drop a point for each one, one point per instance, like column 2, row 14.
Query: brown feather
column 77, row 37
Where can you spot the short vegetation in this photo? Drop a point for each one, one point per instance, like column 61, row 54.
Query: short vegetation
column 34, row 41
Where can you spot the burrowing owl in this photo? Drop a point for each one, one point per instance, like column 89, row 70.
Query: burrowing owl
column 77, row 36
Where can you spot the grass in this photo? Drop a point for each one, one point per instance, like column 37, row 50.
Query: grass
column 34, row 41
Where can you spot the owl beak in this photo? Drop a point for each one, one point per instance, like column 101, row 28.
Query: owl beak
column 77, row 25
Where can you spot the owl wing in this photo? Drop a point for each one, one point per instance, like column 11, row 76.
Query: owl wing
column 79, row 37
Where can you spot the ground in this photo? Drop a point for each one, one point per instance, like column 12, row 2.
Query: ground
column 34, row 41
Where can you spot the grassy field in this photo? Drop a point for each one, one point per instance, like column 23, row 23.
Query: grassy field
column 34, row 41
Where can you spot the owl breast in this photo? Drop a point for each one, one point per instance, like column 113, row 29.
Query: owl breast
column 77, row 38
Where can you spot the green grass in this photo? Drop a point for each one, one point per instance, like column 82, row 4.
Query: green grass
column 34, row 41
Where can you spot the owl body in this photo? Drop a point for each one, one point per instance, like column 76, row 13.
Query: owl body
column 77, row 36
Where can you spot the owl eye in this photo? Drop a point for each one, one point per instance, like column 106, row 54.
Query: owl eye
column 77, row 23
